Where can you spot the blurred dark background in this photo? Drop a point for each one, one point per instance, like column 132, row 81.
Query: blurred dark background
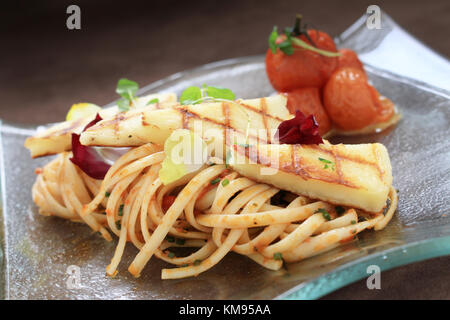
column 45, row 68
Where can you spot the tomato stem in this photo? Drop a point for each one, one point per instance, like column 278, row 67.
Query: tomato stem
column 296, row 31
column 301, row 30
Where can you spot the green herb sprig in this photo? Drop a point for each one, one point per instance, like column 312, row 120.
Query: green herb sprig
column 152, row 101
column 291, row 42
column 127, row 90
column 195, row 95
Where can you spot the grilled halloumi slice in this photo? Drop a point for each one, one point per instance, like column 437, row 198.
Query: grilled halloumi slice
column 57, row 138
column 359, row 176
column 212, row 120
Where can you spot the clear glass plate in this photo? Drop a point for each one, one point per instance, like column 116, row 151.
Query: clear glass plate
column 37, row 250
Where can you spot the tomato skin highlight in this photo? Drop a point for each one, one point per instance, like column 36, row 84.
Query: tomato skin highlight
column 349, row 99
column 349, row 58
column 304, row 68
column 308, row 101
column 385, row 107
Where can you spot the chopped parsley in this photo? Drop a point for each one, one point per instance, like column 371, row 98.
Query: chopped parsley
column 107, row 194
column 327, row 163
column 324, row 213
column 170, row 239
column 197, row 262
column 353, row 222
column 171, row 254
column 121, row 210
column 215, row 181
column 225, row 182
column 277, row 256
column 118, row 224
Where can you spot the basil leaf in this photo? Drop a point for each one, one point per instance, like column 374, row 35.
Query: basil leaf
column 272, row 40
column 156, row 100
column 127, row 88
column 286, row 47
column 124, row 105
column 220, row 93
column 288, row 32
column 190, row 95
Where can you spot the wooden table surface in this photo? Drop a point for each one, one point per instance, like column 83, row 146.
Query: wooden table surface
column 45, row 68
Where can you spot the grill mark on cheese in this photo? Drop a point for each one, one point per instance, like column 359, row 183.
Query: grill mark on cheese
column 377, row 159
column 186, row 115
column 144, row 122
column 321, row 175
column 296, row 163
column 337, row 164
column 63, row 131
column 120, row 117
column 264, row 117
column 226, row 115
column 196, row 116
column 124, row 116
column 351, row 159
column 256, row 110
column 114, row 121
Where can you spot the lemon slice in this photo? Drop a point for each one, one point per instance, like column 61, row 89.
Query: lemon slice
column 186, row 152
column 82, row 110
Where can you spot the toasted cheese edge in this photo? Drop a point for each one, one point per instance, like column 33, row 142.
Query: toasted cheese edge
column 58, row 137
column 371, row 200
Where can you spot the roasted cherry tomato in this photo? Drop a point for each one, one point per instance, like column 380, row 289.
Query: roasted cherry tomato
column 385, row 106
column 304, row 68
column 307, row 100
column 349, row 58
column 351, row 102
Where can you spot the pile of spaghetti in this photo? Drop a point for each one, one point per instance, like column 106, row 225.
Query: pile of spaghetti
column 214, row 210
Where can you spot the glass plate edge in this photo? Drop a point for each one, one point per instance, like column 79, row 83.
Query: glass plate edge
column 357, row 270
column 4, row 284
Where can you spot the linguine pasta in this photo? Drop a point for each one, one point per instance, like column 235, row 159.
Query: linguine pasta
column 214, row 211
